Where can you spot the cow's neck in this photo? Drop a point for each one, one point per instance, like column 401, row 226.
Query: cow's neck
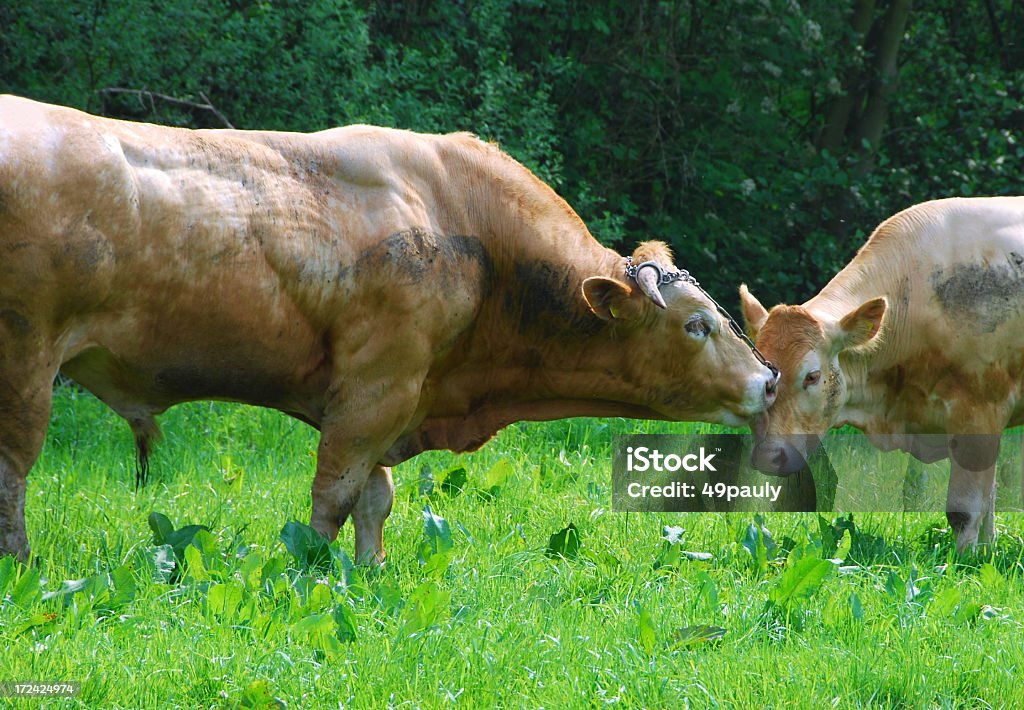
column 868, row 404
column 542, row 348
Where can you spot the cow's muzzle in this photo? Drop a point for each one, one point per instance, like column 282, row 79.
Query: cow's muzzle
column 777, row 457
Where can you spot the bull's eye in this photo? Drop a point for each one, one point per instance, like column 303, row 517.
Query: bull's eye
column 813, row 378
column 698, row 326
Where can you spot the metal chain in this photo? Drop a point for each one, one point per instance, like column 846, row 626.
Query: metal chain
column 666, row 276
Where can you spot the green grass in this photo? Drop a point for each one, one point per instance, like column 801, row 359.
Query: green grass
column 494, row 621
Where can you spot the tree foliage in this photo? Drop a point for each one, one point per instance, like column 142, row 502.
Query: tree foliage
column 763, row 139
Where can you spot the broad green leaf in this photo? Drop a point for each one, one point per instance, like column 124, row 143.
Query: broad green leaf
column 668, row 555
column 318, row 599
column 697, row 556
column 695, row 635
column 437, row 535
column 603, row 559
column 753, row 542
column 497, row 475
column 425, row 607
column 26, row 590
column 968, row 613
column 672, row 534
column 161, row 527
column 345, row 621
column 35, row 621
column 68, row 589
column 124, row 587
column 828, row 537
column 194, row 565
column 159, row 561
column 181, row 539
column 206, row 543
column 223, row 600
column 708, row 590
column 454, row 481
column 944, row 602
column 318, row 630
column 645, row 630
column 343, row 565
column 7, row 573
column 314, row 623
column 258, row 696
column 310, row 549
column 843, row 551
column 251, row 569
column 564, row 543
column 799, row 582
column 389, row 598
column 272, row 569
column 988, row 575
column 894, row 585
column 856, row 608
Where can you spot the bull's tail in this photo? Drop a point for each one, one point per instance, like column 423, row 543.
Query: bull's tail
column 147, row 433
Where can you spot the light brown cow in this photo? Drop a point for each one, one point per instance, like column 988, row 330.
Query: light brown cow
column 918, row 341
column 400, row 292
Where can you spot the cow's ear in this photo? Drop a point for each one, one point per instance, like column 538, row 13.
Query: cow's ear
column 861, row 325
column 611, row 299
column 754, row 314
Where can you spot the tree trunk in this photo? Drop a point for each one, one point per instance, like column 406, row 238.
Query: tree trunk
column 842, row 107
column 884, row 77
column 860, row 114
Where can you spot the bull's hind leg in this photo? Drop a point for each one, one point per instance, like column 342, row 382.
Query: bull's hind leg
column 24, row 413
column 970, row 500
column 371, row 511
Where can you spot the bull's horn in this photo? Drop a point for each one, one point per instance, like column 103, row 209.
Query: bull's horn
column 648, row 282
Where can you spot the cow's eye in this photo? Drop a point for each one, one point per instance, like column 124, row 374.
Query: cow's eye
column 698, row 326
column 813, row 378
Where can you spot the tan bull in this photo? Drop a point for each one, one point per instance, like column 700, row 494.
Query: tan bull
column 400, row 292
column 919, row 342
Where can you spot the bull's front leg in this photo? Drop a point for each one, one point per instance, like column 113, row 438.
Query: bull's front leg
column 349, row 481
column 371, row 511
column 971, row 497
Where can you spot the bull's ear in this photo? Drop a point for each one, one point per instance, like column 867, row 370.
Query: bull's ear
column 861, row 325
column 611, row 299
column 754, row 314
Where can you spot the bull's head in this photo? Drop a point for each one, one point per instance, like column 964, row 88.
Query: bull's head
column 691, row 363
column 812, row 385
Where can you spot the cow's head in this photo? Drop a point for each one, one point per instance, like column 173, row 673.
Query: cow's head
column 812, row 385
column 691, row 364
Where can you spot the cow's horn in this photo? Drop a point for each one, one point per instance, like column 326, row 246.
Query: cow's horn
column 648, row 281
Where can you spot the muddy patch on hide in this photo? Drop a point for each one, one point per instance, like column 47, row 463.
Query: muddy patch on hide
column 409, row 256
column 986, row 296
column 544, row 296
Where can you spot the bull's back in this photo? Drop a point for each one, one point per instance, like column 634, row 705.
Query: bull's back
column 166, row 264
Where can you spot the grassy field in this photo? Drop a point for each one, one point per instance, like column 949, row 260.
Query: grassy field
column 486, row 600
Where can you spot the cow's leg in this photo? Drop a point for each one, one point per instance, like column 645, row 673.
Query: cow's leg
column 24, row 414
column 970, row 500
column 371, row 511
column 354, row 438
